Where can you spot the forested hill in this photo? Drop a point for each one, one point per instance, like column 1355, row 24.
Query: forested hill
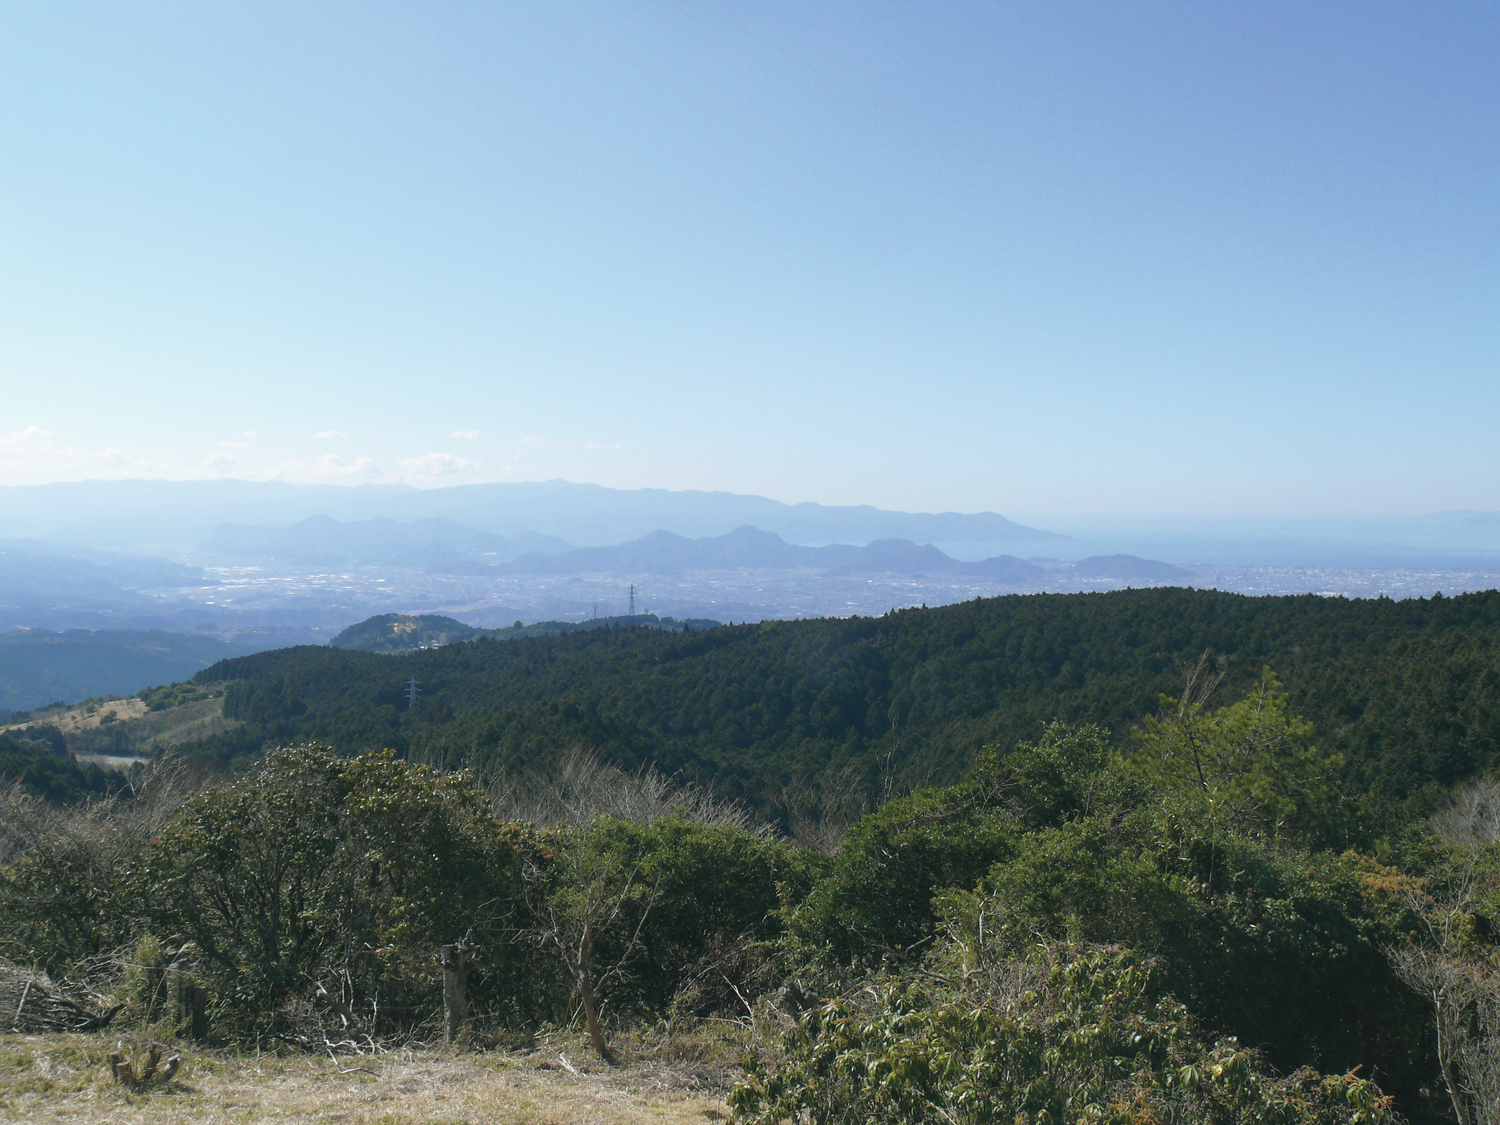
column 1408, row 691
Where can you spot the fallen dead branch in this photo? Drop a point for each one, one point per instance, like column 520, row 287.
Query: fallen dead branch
column 32, row 1002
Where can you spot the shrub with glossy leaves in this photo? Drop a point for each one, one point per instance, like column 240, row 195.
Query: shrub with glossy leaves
column 1072, row 1034
column 878, row 898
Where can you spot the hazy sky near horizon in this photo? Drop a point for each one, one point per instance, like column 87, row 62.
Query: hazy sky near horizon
column 1073, row 258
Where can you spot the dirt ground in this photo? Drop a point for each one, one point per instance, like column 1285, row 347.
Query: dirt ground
column 65, row 1078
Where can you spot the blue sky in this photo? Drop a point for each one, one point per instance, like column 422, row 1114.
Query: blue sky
column 1032, row 258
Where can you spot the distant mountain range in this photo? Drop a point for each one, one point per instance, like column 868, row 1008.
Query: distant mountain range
column 45, row 583
column 750, row 548
column 157, row 516
column 660, row 553
column 443, row 546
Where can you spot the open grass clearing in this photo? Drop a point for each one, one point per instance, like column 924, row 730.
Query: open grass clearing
column 87, row 716
column 65, row 1078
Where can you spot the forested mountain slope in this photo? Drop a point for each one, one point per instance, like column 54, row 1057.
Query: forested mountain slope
column 38, row 665
column 1408, row 692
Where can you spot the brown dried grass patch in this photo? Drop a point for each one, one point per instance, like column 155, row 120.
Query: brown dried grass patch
column 65, row 1079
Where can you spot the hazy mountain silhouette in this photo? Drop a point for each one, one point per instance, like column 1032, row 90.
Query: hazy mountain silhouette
column 1127, row 568
column 750, row 548
column 159, row 515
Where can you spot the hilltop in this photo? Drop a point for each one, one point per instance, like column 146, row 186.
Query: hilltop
column 403, row 632
column 393, row 633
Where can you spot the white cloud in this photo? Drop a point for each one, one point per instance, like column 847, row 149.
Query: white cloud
column 329, row 468
column 35, row 455
column 326, row 434
column 221, row 462
column 249, row 434
column 430, row 466
column 467, row 435
column 30, row 435
column 34, row 450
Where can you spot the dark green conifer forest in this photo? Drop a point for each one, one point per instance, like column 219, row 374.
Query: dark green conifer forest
column 1408, row 692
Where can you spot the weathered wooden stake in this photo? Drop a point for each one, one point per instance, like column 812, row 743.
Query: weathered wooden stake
column 189, row 998
column 455, row 962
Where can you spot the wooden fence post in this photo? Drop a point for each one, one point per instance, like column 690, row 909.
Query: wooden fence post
column 188, row 994
column 455, row 962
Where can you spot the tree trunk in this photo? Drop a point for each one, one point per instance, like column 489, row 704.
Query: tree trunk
column 1447, row 1041
column 591, row 1017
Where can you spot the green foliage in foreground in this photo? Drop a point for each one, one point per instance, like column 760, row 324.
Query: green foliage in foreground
column 1063, row 840
column 1250, row 765
column 318, row 872
column 322, row 871
column 708, row 900
column 1066, row 1035
column 1067, row 932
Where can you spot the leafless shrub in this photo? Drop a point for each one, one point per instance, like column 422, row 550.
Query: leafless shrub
column 575, row 897
column 821, row 813
column 725, row 976
column 1465, row 999
column 1473, row 819
column 111, row 828
column 56, row 860
column 585, row 787
column 1458, row 980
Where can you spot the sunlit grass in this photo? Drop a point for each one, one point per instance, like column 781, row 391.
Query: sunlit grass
column 66, row 1078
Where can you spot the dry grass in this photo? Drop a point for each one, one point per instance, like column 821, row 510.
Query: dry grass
column 187, row 722
column 73, row 720
column 65, row 1078
column 131, row 725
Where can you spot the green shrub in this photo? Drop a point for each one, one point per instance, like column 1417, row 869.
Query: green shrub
column 1072, row 1034
column 320, row 872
